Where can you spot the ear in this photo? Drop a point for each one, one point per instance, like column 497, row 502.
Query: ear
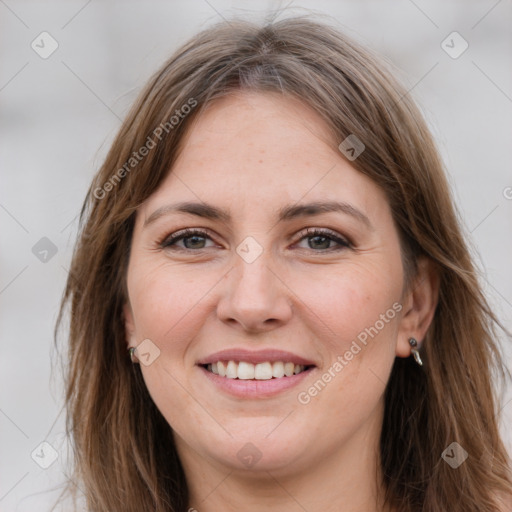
column 419, row 305
column 129, row 325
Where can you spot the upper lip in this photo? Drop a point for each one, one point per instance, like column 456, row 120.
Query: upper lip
column 255, row 356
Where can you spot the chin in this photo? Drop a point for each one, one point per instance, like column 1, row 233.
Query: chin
column 263, row 449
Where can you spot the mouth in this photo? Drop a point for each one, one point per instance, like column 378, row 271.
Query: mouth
column 246, row 374
column 244, row 370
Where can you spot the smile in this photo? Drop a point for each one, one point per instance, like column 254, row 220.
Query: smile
column 244, row 370
column 255, row 374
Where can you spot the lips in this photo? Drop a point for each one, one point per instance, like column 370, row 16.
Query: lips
column 255, row 357
column 255, row 374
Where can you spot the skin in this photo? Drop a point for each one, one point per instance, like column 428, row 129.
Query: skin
column 251, row 154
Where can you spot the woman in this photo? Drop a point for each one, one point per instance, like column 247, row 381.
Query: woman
column 272, row 305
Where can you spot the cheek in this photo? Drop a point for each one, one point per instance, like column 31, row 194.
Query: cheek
column 166, row 302
column 345, row 303
column 170, row 304
column 357, row 321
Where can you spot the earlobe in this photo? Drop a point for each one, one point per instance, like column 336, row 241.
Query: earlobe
column 420, row 303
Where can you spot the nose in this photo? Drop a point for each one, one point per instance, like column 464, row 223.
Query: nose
column 255, row 298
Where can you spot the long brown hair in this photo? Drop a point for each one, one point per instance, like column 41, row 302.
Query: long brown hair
column 124, row 454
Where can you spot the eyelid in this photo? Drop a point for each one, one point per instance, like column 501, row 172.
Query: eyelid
column 176, row 236
column 341, row 240
column 171, row 239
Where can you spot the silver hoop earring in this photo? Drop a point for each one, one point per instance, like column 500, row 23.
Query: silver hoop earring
column 413, row 343
column 131, row 350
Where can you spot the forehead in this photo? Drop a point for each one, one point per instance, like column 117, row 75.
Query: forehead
column 252, row 150
column 250, row 124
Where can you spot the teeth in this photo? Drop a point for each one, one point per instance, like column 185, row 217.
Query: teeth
column 278, row 370
column 263, row 371
column 245, row 370
column 231, row 370
column 288, row 369
column 248, row 371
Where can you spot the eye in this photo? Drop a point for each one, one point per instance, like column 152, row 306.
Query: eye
column 322, row 238
column 192, row 239
column 195, row 239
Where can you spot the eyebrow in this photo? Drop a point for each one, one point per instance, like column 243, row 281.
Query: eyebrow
column 285, row 213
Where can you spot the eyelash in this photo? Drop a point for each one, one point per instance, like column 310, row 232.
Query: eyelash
column 171, row 240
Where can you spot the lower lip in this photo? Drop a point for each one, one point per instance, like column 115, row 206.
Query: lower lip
column 241, row 388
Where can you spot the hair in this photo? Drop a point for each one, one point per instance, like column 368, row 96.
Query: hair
column 124, row 453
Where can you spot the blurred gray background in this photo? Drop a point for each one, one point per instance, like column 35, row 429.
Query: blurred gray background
column 60, row 107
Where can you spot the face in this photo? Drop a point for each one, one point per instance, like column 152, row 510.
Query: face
column 260, row 286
